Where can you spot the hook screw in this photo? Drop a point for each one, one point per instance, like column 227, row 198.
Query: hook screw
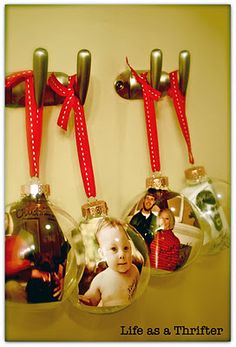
column 119, row 85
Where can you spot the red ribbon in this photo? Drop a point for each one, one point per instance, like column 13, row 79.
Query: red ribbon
column 179, row 101
column 82, row 142
column 150, row 95
column 33, row 116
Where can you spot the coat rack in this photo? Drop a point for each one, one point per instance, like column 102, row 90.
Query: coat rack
column 128, row 88
column 15, row 96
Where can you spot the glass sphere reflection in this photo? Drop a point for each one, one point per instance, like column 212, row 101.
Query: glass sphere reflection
column 40, row 263
column 117, row 265
column 170, row 226
column 211, row 199
column 222, row 191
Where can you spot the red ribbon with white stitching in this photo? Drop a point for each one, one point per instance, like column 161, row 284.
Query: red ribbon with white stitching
column 82, row 142
column 150, row 95
column 179, row 101
column 33, row 116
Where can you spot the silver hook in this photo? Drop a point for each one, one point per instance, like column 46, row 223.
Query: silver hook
column 40, row 71
column 155, row 68
column 83, row 74
column 128, row 88
column 184, row 67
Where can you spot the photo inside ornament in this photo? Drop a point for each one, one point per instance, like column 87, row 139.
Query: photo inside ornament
column 222, row 193
column 170, row 227
column 40, row 263
column 117, row 266
column 211, row 199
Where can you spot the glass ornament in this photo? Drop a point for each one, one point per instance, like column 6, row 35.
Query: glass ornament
column 211, row 198
column 41, row 266
column 117, row 267
column 169, row 224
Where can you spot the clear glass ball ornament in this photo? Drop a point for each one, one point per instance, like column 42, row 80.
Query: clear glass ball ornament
column 41, row 265
column 117, row 267
column 211, row 197
column 169, row 224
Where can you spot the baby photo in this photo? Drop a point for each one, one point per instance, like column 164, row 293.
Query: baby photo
column 118, row 277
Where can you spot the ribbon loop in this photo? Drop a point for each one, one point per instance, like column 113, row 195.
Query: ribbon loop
column 17, row 77
column 82, row 142
column 149, row 96
column 57, row 86
column 179, row 102
column 33, row 117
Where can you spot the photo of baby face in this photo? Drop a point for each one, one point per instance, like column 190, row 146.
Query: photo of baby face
column 116, row 249
column 114, row 280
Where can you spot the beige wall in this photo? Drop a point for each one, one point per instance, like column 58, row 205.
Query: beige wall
column 199, row 295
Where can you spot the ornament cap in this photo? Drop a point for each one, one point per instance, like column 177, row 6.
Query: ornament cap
column 195, row 173
column 160, row 182
column 35, row 187
column 94, row 209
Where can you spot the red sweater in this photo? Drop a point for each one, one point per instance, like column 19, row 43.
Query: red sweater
column 164, row 251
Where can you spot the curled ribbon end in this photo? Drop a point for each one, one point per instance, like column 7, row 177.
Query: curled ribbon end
column 127, row 62
column 191, row 159
column 61, row 126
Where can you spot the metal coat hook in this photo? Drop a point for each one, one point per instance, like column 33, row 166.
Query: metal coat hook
column 184, row 67
column 83, row 74
column 128, row 88
column 155, row 68
column 15, row 96
column 40, row 70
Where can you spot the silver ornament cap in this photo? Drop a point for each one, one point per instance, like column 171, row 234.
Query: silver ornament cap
column 35, row 187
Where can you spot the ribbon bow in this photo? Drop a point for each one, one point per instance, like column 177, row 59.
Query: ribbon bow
column 149, row 95
column 82, row 142
column 33, row 116
column 179, row 101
